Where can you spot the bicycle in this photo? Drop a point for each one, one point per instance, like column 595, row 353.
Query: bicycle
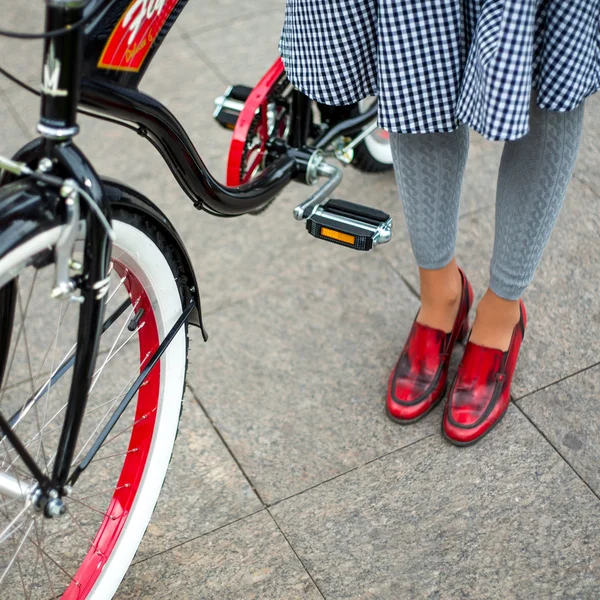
column 90, row 403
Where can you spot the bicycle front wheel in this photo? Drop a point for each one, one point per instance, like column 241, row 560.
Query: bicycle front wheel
column 85, row 552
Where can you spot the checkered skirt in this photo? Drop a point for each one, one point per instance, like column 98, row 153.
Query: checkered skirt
column 436, row 63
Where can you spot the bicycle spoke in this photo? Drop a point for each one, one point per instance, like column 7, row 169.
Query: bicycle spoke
column 8, row 533
column 40, row 434
column 41, row 444
column 45, row 554
column 101, row 422
column 79, row 526
column 14, row 557
column 22, row 579
column 37, row 561
column 110, row 354
column 7, row 373
column 42, row 553
column 19, row 515
column 108, row 441
column 110, row 491
column 96, row 510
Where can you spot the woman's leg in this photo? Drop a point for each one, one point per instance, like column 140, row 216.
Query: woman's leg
column 429, row 170
column 534, row 174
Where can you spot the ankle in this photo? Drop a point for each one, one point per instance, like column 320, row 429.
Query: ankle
column 441, row 289
column 441, row 294
column 495, row 321
column 493, row 308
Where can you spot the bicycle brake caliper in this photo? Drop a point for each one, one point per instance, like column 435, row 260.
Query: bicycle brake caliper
column 63, row 251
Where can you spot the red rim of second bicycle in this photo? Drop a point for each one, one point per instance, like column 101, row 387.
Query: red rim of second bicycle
column 257, row 99
column 138, row 451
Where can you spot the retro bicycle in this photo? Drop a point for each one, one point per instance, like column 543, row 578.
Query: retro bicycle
column 97, row 290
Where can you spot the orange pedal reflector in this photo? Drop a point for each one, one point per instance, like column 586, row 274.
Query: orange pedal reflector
column 337, row 235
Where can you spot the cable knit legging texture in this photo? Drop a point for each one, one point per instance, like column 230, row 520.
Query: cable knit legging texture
column 534, row 174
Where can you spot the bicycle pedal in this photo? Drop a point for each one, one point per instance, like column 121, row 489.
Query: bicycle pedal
column 349, row 224
column 229, row 106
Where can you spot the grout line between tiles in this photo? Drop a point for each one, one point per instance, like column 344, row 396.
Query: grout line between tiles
column 316, row 485
column 138, row 562
column 296, row 554
column 15, row 115
column 231, row 453
column 184, row 34
column 407, row 283
column 557, row 450
column 208, row 62
column 583, row 370
column 475, row 211
column 586, row 185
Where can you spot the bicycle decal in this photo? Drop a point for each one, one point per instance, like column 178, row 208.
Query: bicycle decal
column 135, row 33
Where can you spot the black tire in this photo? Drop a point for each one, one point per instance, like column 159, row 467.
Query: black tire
column 365, row 162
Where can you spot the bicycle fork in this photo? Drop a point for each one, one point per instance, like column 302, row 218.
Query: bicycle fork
column 58, row 160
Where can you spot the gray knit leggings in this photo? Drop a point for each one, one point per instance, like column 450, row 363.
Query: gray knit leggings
column 534, row 174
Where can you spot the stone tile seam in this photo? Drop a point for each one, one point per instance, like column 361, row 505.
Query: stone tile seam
column 475, row 211
column 545, row 437
column 224, row 442
column 195, row 538
column 405, row 281
column 586, row 185
column 578, row 372
column 266, row 507
column 285, row 537
column 15, row 115
column 186, row 35
column 214, row 68
column 351, row 470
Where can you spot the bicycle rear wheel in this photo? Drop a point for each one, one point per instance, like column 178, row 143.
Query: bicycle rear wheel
column 86, row 552
column 374, row 153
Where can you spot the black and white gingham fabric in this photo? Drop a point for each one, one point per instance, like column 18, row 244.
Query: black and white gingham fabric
column 436, row 63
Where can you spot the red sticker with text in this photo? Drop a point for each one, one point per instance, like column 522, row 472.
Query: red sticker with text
column 133, row 37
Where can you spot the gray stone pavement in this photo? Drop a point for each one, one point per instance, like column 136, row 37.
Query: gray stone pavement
column 287, row 479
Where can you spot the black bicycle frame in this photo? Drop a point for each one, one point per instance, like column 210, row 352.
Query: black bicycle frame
column 58, row 124
column 83, row 69
column 116, row 57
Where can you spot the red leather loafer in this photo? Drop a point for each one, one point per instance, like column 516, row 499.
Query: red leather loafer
column 480, row 394
column 419, row 378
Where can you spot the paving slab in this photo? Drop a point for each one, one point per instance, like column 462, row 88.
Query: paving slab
column 567, row 414
column 11, row 135
column 249, row 559
column 586, row 168
column 22, row 58
column 251, row 42
column 505, row 519
column 296, row 378
column 201, row 17
column 204, row 488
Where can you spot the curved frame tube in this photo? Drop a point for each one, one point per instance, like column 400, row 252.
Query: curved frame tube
column 169, row 137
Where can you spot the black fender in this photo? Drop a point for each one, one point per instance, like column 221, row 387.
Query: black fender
column 118, row 195
column 27, row 209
